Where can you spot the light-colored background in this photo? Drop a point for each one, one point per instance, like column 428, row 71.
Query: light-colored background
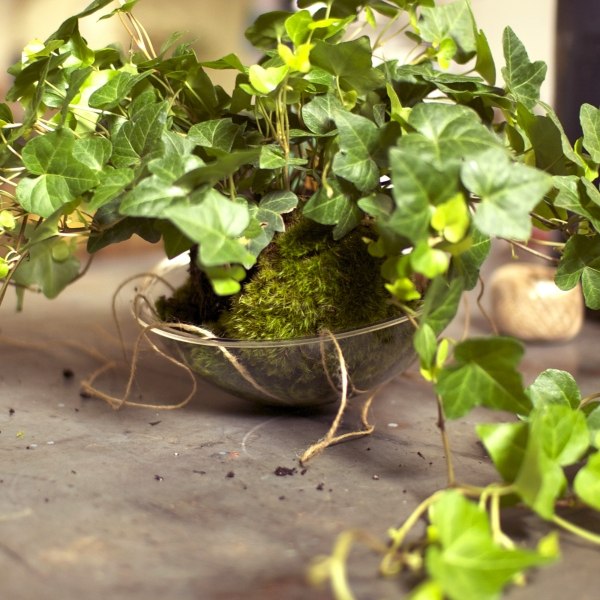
column 217, row 25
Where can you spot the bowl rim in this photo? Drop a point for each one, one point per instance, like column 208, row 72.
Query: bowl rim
column 178, row 335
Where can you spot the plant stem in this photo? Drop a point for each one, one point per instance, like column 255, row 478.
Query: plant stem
column 575, row 529
column 441, row 423
column 589, row 399
column 401, row 533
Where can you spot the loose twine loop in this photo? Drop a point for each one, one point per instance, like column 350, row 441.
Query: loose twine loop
column 141, row 302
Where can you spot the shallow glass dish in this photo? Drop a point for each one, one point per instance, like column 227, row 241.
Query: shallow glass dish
column 299, row 372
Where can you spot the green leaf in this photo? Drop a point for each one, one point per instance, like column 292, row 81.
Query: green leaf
column 590, row 123
column 506, row 444
column 215, row 133
column 273, row 157
column 441, row 303
column 467, row 562
column 417, row 184
column 554, row 387
column 426, row 345
column 587, row 481
column 451, row 218
column 331, row 205
column 484, row 373
column 266, row 80
column 93, row 152
column 561, row 431
column 467, row 264
column 553, row 151
column 447, row 133
column 139, row 139
column 358, row 137
column 593, row 421
column 540, row 480
column 484, row 65
column 453, row 22
column 44, row 194
column 429, row 261
column 42, row 269
column 350, row 62
column 581, row 262
column 61, row 177
column 215, row 223
column 522, row 77
column 116, row 89
column 112, row 183
column 219, row 169
column 317, row 114
column 268, row 215
column 579, row 196
column 508, row 191
column 151, row 197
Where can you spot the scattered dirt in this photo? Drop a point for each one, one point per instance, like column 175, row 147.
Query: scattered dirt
column 283, row 471
column 321, row 487
column 230, row 474
column 159, row 477
column 154, row 423
column 68, row 373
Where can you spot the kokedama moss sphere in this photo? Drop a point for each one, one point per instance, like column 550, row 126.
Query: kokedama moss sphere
column 304, row 283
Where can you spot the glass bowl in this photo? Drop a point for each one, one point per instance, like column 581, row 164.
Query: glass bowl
column 300, row 372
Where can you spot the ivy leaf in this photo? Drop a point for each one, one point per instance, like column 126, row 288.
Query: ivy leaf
column 449, row 133
column 484, row 64
column 93, row 152
column 593, row 421
column 580, row 196
column 61, row 178
column 562, row 432
column 317, row 114
column 418, row 182
column 140, row 138
column 219, row 134
column 350, row 62
column 467, row 264
column 268, row 215
column 540, row 480
column 553, row 152
column 216, row 224
column 331, row 205
column 273, row 157
column 441, row 303
column 581, row 262
column 467, row 562
column 522, row 77
column 219, row 169
column 116, row 89
column 554, row 387
column 112, row 183
column 484, row 373
column 266, row 80
column 508, row 191
column 51, row 265
column 506, row 444
column 587, row 481
column 358, row 137
column 590, row 123
column 453, row 21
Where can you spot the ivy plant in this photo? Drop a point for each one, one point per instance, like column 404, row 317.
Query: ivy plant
column 435, row 154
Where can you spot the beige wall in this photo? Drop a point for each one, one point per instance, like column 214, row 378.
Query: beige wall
column 214, row 25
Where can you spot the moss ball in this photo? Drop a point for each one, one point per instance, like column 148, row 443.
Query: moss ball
column 307, row 282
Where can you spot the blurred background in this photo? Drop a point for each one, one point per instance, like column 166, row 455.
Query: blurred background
column 217, row 25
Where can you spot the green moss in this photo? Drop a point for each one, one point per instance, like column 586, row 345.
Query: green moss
column 308, row 282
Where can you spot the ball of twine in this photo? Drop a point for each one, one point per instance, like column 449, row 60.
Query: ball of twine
column 527, row 304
